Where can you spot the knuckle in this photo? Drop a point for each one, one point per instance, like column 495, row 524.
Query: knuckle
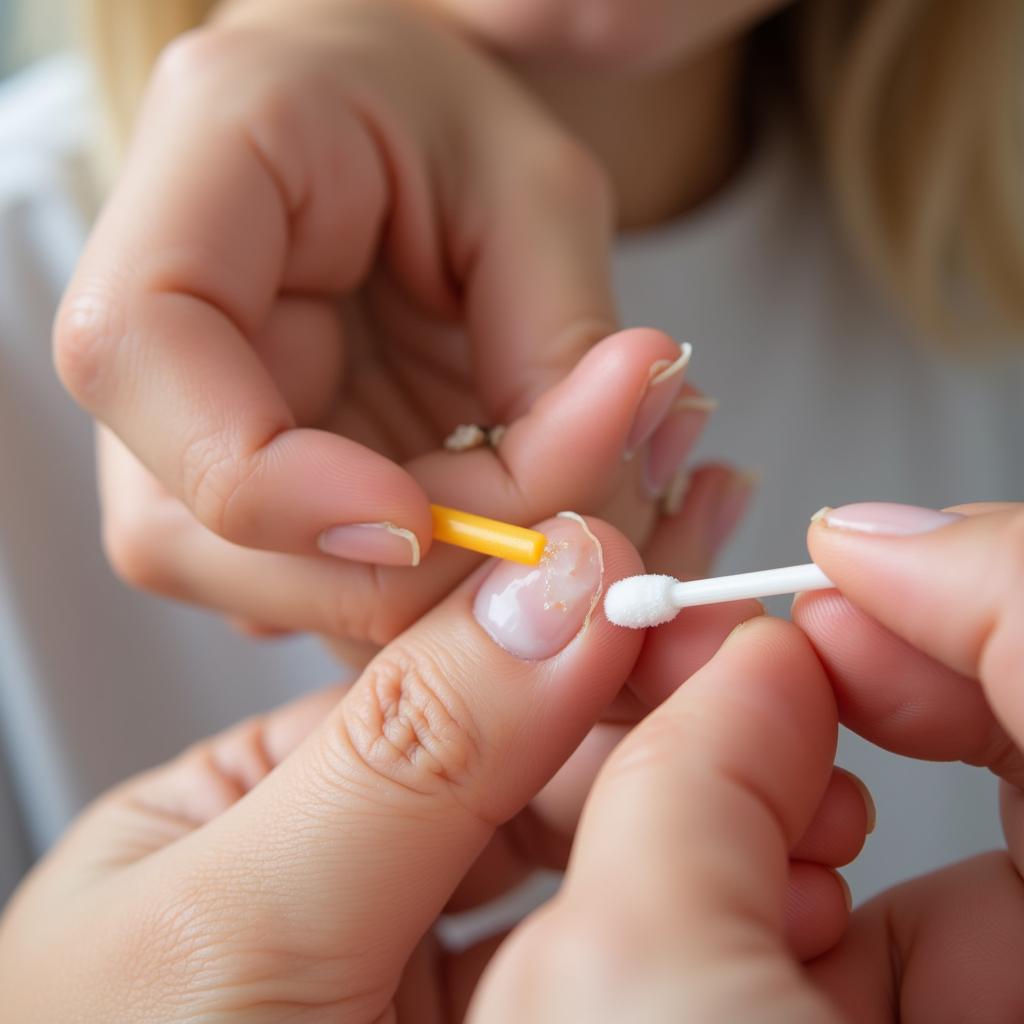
column 172, row 932
column 212, row 476
column 194, row 58
column 407, row 723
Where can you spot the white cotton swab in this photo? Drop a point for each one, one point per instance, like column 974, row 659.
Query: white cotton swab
column 641, row 601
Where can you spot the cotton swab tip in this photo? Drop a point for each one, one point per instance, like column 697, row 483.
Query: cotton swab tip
column 641, row 601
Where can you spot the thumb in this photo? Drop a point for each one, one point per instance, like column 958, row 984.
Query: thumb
column 679, row 870
column 950, row 583
column 354, row 845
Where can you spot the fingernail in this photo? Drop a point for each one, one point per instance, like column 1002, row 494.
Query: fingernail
column 535, row 611
column 847, row 893
column 663, row 383
column 673, row 441
column 675, row 494
column 886, row 519
column 378, row 543
column 730, row 508
column 869, row 801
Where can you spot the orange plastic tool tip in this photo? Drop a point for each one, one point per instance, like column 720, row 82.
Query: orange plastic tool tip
column 488, row 536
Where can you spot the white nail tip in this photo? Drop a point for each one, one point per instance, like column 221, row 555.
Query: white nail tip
column 409, row 537
column 695, row 403
column 663, row 370
column 675, row 493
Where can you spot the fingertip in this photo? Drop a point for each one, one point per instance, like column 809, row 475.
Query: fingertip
column 844, row 819
column 675, row 651
column 773, row 641
column 817, row 908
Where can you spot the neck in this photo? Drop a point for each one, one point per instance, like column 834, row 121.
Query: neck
column 668, row 140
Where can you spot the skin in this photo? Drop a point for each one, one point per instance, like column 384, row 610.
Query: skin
column 700, row 885
column 252, row 341
column 202, row 329
column 303, row 825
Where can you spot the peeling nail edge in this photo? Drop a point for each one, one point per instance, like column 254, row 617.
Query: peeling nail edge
column 599, row 590
column 662, row 370
column 409, row 537
column 821, row 513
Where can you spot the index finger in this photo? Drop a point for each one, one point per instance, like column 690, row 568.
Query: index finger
column 224, row 203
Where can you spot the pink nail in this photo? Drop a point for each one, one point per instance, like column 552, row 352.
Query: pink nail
column 887, row 518
column 673, row 441
column 663, row 385
column 377, row 543
column 535, row 611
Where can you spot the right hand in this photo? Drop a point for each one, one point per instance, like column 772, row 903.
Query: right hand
column 675, row 901
column 340, row 232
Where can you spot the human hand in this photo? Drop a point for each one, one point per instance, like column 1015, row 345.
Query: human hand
column 925, row 648
column 293, row 866
column 695, row 811
column 340, row 232
column 702, row 871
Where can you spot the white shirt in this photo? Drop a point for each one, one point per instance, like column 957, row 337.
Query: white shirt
column 821, row 391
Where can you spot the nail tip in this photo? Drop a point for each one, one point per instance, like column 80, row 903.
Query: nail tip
column 664, row 369
column 696, row 403
column 675, row 494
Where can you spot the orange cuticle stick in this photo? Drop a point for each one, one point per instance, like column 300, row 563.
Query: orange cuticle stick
column 487, row 536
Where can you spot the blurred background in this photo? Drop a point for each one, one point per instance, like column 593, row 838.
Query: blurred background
column 7, row 58
column 29, row 29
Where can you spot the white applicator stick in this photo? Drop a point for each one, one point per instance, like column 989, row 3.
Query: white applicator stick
column 642, row 601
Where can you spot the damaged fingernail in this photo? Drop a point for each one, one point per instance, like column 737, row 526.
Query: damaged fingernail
column 664, row 382
column 377, row 543
column 533, row 612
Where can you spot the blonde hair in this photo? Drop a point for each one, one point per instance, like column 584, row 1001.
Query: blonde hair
column 914, row 107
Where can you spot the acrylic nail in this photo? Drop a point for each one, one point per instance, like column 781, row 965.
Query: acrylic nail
column 886, row 519
column 533, row 612
column 664, row 381
column 377, row 543
column 673, row 441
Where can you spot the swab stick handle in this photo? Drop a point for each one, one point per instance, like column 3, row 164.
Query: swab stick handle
column 767, row 583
